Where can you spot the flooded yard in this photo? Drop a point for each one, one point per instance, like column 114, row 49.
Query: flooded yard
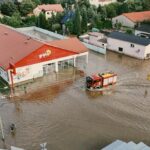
column 68, row 117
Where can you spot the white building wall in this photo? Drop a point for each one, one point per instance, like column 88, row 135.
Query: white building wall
column 138, row 51
column 97, row 2
column 36, row 11
column 48, row 14
column 147, row 51
column 36, row 70
column 124, row 21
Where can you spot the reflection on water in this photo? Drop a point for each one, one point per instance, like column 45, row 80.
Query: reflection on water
column 69, row 118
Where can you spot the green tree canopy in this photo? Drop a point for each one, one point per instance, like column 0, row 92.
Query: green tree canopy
column 41, row 21
column 26, row 7
column 84, row 21
column 8, row 8
column 14, row 20
column 48, row 1
column 77, row 22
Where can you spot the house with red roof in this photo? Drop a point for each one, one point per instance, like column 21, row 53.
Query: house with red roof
column 23, row 58
column 131, row 19
column 48, row 9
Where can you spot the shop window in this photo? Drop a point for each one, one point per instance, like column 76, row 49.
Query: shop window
column 132, row 45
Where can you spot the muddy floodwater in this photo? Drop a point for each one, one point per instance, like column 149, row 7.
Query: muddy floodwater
column 68, row 117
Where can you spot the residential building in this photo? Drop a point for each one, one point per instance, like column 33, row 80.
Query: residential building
column 131, row 45
column 48, row 9
column 23, row 57
column 101, row 2
column 143, row 30
column 131, row 19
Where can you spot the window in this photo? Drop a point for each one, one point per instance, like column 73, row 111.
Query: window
column 120, row 49
column 148, row 55
column 132, row 45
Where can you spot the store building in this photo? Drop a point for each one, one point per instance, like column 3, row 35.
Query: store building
column 24, row 58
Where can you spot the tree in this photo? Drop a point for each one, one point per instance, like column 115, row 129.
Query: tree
column 8, row 8
column 99, row 9
column 69, row 26
column 77, row 22
column 30, row 21
column 146, row 4
column 84, row 21
column 56, row 27
column 14, row 21
column 111, row 10
column 41, row 21
column 48, row 1
column 26, row 7
column 129, row 31
column 123, row 8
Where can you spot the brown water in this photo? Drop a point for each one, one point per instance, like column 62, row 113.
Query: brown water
column 69, row 118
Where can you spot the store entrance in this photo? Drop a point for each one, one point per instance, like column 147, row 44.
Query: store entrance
column 48, row 68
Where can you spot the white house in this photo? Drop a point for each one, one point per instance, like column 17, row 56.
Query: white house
column 48, row 9
column 131, row 19
column 101, row 2
column 143, row 30
column 131, row 45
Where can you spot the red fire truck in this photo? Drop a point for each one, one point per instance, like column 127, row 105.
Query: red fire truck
column 98, row 81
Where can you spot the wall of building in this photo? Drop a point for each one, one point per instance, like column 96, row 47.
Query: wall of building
column 48, row 14
column 33, row 71
column 123, row 20
column 147, row 51
column 36, row 11
column 138, row 51
column 102, row 3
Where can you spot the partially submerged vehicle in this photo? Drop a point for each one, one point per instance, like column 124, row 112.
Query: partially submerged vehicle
column 98, row 82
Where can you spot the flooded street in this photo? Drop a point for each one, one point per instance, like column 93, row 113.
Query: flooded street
column 69, row 118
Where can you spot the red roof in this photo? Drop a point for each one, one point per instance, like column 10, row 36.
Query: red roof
column 71, row 44
column 138, row 16
column 51, row 7
column 15, row 46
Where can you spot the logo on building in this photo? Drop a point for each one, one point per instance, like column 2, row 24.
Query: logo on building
column 45, row 54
